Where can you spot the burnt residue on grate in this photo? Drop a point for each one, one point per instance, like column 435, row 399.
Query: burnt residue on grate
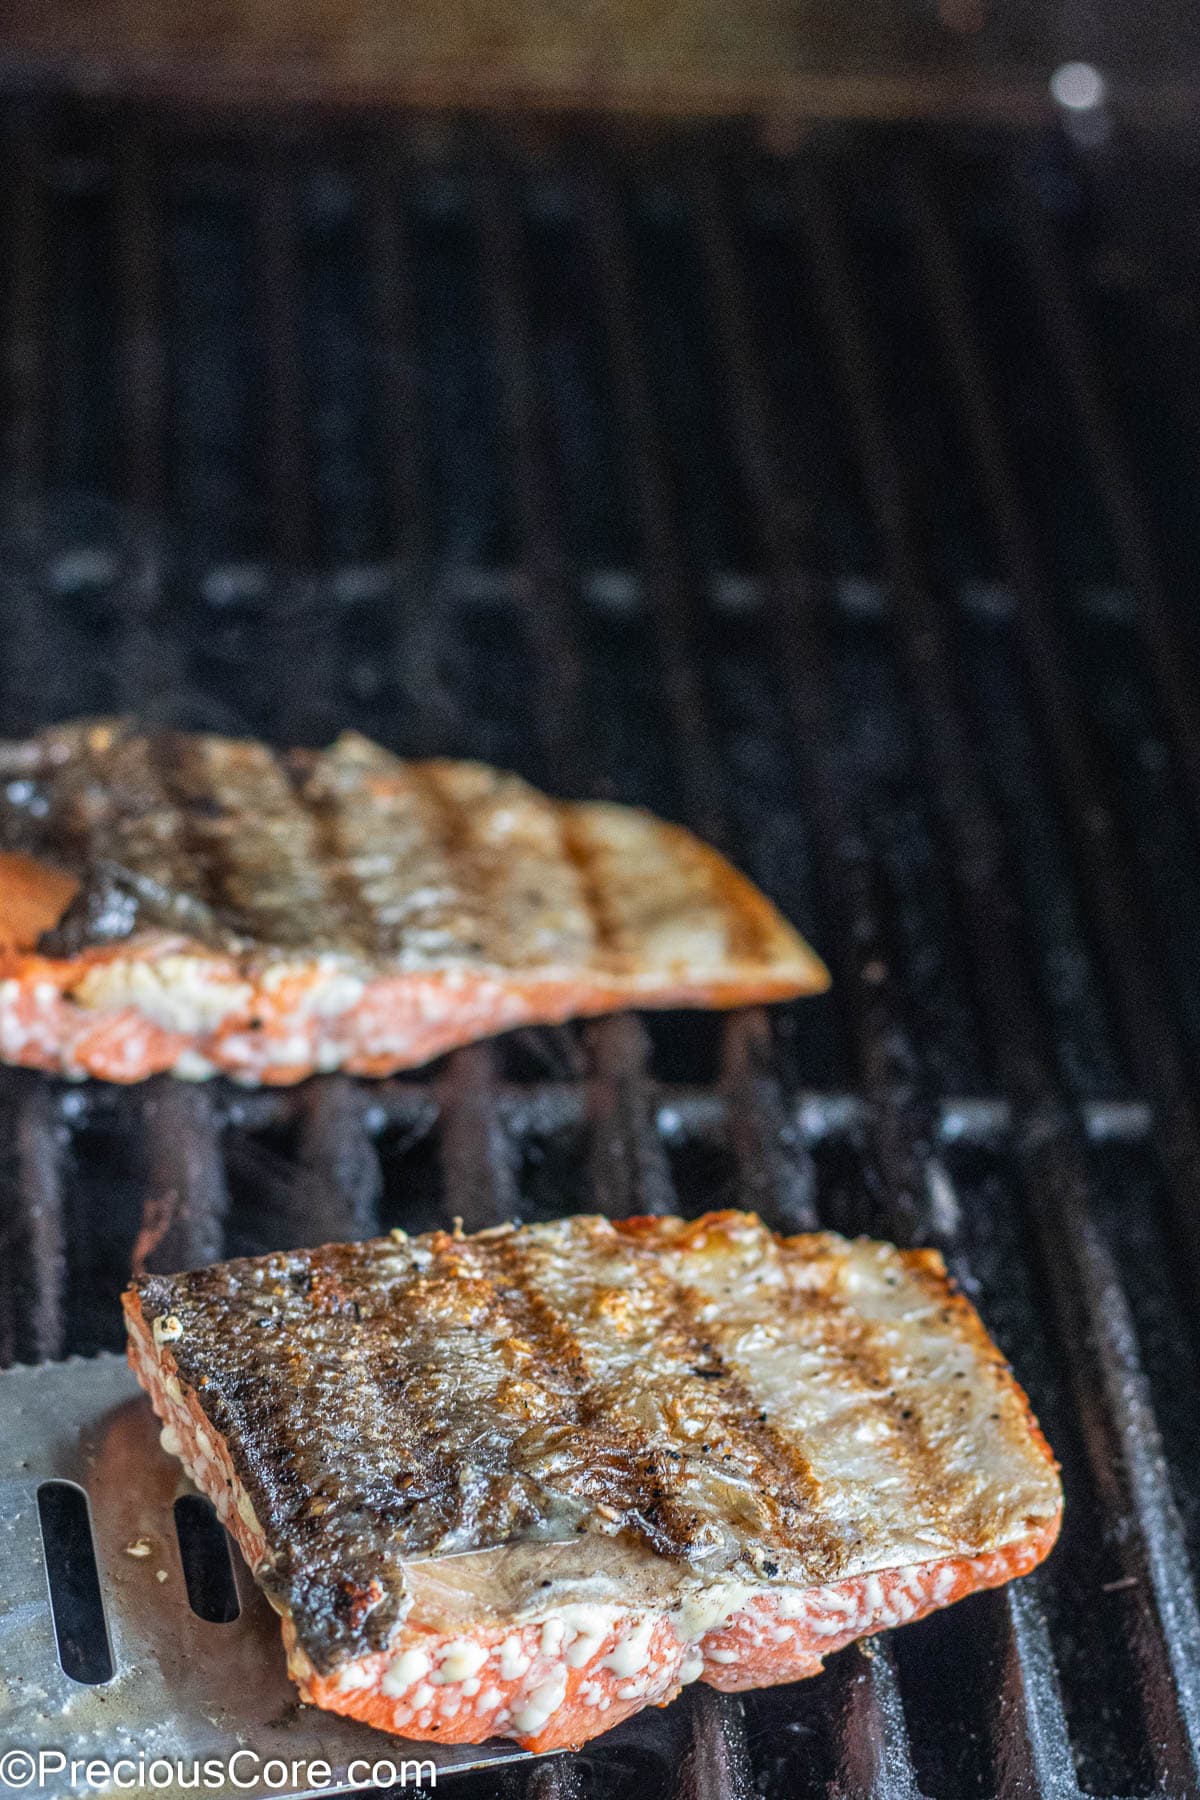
column 839, row 504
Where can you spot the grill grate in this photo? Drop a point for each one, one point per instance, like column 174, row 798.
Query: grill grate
column 836, row 502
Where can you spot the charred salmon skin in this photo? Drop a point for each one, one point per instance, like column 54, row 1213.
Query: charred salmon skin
column 184, row 902
column 530, row 1481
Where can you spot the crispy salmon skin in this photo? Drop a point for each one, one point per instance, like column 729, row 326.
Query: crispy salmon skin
column 530, row 1481
column 193, row 903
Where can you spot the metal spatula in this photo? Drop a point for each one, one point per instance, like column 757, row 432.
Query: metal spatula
column 182, row 1689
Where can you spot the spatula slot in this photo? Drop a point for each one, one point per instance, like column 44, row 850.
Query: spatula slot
column 183, row 1687
column 207, row 1567
column 80, row 1629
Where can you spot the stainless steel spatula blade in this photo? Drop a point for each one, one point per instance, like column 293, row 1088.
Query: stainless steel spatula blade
column 183, row 1689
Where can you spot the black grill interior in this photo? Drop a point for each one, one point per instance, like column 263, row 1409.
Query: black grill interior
column 837, row 499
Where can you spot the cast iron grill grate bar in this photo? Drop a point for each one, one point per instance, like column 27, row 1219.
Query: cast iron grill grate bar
column 186, row 1194
column 665, row 573
column 34, row 1238
column 284, row 470
column 24, row 359
column 138, row 234
column 149, row 657
column 393, row 314
column 477, row 1153
column 776, row 1172
column 420, row 589
column 601, row 1116
column 547, row 602
column 1037, row 1742
column 1169, row 650
column 873, row 1752
column 336, row 1143
column 715, row 1758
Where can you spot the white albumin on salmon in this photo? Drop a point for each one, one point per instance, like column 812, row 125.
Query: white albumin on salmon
column 184, row 902
column 531, row 1481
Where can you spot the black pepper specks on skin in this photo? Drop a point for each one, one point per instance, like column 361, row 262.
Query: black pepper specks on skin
column 415, row 1402
column 154, row 825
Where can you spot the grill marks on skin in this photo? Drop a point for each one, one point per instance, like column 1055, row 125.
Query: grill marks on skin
column 701, row 1390
column 337, row 850
column 693, row 1418
column 354, row 849
column 577, row 852
column 637, row 1473
column 641, row 885
column 834, row 1338
column 748, row 934
column 116, row 807
column 138, row 822
column 782, row 1476
column 393, row 832
column 310, row 1347
column 504, row 842
column 954, row 1310
column 461, row 887
column 270, row 871
column 106, row 802
column 862, row 1356
column 200, row 818
column 867, row 1365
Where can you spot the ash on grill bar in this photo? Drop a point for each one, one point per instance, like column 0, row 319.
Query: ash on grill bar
column 794, row 434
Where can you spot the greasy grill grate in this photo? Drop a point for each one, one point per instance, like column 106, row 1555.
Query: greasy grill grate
column 837, row 503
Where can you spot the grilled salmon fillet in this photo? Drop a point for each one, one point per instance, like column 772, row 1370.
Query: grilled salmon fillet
column 194, row 903
column 528, row 1482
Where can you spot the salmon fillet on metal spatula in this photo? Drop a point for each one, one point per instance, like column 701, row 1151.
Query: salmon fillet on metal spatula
column 528, row 1482
column 184, row 902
